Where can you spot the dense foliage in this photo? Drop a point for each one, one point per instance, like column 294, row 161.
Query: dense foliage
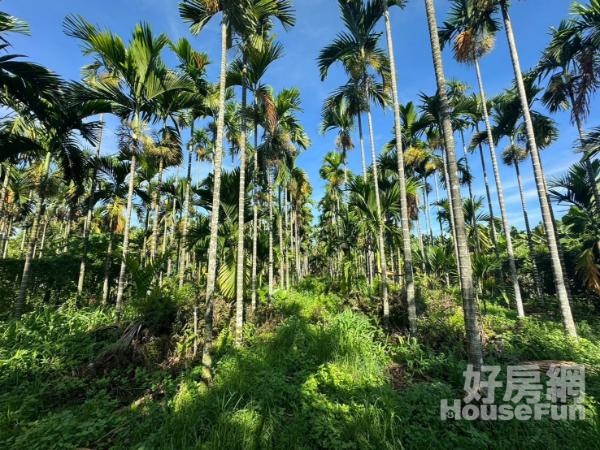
column 315, row 372
column 144, row 307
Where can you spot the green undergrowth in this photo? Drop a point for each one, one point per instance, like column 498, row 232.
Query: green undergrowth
column 313, row 373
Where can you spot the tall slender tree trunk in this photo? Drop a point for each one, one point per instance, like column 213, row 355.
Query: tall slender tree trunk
column 4, row 228
column 488, row 195
column 392, row 263
column 173, row 233
column 156, row 211
column 88, row 217
column 145, row 242
column 451, row 211
column 298, row 245
column 67, row 234
column 125, row 251
column 361, row 140
column 6, row 175
column 43, row 240
column 467, row 166
column 500, row 190
column 293, row 241
column 164, row 239
column 22, row 293
column 536, row 273
column 280, row 268
column 421, row 243
column 559, row 278
column 399, row 259
column 437, row 199
column 6, row 242
column 286, row 240
column 23, row 241
column 471, row 198
column 4, row 189
column 107, row 264
column 472, row 325
column 380, row 226
column 292, row 237
column 185, row 215
column 427, row 210
column 270, row 226
column 214, row 216
column 254, row 219
column 404, row 218
column 239, row 276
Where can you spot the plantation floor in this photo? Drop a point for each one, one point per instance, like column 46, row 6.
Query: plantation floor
column 315, row 374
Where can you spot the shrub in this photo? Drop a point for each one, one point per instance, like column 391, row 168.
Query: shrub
column 157, row 310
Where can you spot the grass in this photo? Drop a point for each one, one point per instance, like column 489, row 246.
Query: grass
column 312, row 374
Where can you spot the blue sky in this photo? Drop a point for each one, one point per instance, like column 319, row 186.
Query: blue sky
column 317, row 24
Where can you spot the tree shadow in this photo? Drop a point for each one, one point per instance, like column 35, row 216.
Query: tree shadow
column 304, row 385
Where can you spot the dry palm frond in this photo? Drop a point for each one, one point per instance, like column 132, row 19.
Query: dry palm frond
column 201, row 60
column 270, row 110
column 468, row 46
column 464, row 46
column 212, row 6
column 133, row 137
column 430, row 167
column 344, row 141
column 414, row 156
column 589, row 270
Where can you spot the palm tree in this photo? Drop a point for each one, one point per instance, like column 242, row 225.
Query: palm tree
column 234, row 19
column 238, row 17
column 513, row 155
column 431, row 107
column 147, row 169
column 506, row 113
column 88, row 218
column 16, row 203
column 167, row 149
column 574, row 77
column 351, row 98
column 57, row 139
column 7, row 172
column 113, row 187
column 23, row 84
column 338, row 116
column 284, row 138
column 582, row 220
column 406, row 238
column 192, row 65
column 474, row 112
column 241, row 143
column 462, row 107
column 332, row 171
column 473, row 329
column 590, row 144
column 300, row 196
column 358, row 51
column 249, row 72
column 559, row 275
column 473, row 36
column 131, row 80
column 250, row 41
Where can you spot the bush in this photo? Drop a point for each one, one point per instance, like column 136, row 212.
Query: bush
column 157, row 310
